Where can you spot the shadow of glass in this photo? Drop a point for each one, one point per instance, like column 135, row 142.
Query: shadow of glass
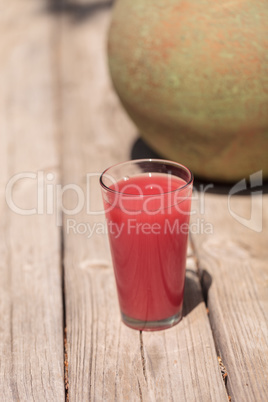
column 78, row 12
column 141, row 150
column 193, row 292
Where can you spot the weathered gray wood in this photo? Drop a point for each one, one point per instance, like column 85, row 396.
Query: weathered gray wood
column 103, row 356
column 181, row 363
column 235, row 258
column 31, row 319
column 107, row 360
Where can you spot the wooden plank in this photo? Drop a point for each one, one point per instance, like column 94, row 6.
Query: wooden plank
column 181, row 363
column 31, row 324
column 235, row 258
column 103, row 356
column 107, row 360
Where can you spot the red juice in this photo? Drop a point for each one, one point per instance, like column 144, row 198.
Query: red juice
column 147, row 218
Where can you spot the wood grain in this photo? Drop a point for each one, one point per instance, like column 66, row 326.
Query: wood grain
column 235, row 258
column 181, row 363
column 31, row 327
column 107, row 360
column 103, row 356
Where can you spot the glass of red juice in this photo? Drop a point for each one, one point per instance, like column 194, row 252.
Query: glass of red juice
column 147, row 206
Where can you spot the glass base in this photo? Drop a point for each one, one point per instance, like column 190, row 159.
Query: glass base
column 152, row 325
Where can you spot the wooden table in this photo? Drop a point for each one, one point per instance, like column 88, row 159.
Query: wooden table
column 61, row 337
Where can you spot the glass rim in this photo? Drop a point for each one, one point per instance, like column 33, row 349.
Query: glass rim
column 154, row 160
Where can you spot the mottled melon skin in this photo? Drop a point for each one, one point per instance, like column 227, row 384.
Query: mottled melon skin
column 193, row 76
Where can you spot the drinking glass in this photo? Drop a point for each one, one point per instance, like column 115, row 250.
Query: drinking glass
column 147, row 205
